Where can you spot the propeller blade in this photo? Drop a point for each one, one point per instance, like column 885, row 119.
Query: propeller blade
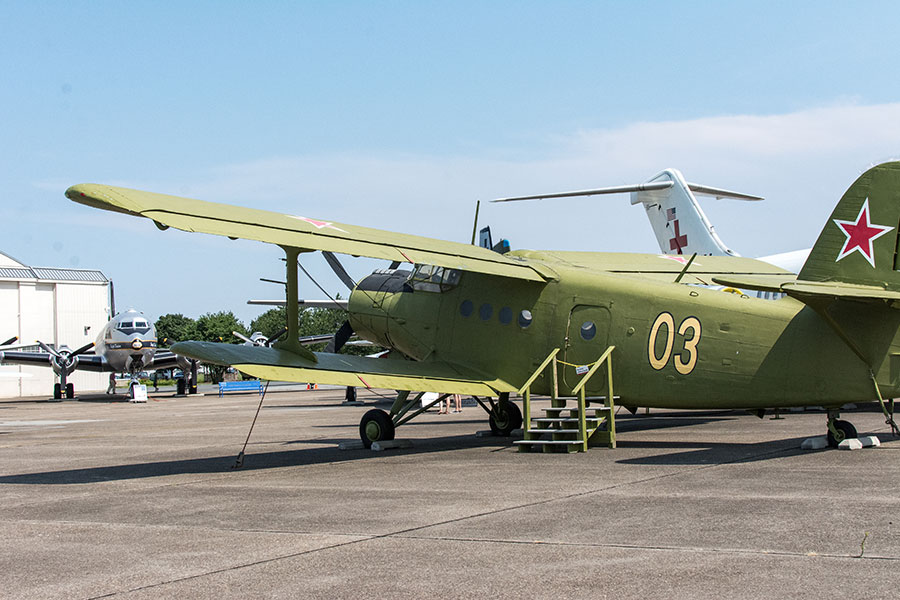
column 339, row 270
column 340, row 338
column 83, row 349
column 11, row 340
column 243, row 337
column 47, row 348
column 277, row 336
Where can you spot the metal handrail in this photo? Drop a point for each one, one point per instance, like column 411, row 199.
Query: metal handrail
column 582, row 402
column 526, row 388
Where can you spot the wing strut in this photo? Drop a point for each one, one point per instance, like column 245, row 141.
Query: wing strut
column 291, row 342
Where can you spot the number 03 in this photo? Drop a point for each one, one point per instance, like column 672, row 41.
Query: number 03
column 686, row 360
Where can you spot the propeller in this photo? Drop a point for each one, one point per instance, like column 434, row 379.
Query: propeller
column 255, row 339
column 339, row 269
column 11, row 340
column 340, row 338
column 64, row 360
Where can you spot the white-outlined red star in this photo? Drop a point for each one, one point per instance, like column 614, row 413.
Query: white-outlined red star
column 318, row 224
column 860, row 234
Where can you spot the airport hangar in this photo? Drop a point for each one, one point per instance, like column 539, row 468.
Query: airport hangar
column 60, row 307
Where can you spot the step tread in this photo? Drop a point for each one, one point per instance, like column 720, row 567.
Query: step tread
column 549, row 442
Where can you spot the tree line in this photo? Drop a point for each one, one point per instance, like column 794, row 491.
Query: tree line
column 218, row 327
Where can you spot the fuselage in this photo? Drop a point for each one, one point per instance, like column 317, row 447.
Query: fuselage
column 676, row 345
column 128, row 342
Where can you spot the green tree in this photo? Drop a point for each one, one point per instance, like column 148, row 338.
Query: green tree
column 271, row 322
column 173, row 328
column 218, row 327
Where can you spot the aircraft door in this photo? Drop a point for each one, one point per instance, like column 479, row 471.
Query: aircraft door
column 587, row 337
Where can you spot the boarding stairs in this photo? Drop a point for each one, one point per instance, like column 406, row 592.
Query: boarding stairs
column 570, row 423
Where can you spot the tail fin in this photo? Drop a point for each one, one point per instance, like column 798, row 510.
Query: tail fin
column 680, row 225
column 859, row 244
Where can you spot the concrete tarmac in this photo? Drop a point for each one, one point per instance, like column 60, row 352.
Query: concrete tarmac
column 110, row 499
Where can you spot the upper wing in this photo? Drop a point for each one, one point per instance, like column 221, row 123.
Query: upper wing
column 343, row 369
column 301, row 232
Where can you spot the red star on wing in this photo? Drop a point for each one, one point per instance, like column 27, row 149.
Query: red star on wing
column 860, row 234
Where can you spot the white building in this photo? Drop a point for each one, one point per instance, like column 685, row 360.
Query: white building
column 60, row 307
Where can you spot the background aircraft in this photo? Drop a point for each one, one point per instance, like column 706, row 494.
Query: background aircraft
column 678, row 221
column 126, row 344
column 486, row 324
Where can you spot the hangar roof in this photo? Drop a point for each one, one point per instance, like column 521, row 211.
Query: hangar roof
column 10, row 268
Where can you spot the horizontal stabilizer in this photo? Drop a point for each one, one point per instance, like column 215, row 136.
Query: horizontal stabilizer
column 802, row 290
column 342, row 369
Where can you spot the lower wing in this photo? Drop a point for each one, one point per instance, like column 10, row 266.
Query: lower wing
column 342, row 369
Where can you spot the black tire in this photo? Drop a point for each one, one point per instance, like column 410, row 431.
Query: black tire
column 70, row 390
column 179, row 386
column 57, row 391
column 845, row 428
column 503, row 422
column 375, row 426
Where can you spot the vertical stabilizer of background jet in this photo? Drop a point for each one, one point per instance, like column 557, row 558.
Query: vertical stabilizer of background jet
column 678, row 222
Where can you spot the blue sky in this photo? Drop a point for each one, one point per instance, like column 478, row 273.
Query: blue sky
column 400, row 115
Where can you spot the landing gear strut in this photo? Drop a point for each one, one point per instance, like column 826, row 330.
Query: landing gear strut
column 839, row 430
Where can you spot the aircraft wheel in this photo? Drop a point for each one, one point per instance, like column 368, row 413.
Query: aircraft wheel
column 375, row 426
column 70, row 390
column 845, row 430
column 504, row 421
column 57, row 391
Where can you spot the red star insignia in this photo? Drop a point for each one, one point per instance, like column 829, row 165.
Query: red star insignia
column 860, row 234
column 319, row 224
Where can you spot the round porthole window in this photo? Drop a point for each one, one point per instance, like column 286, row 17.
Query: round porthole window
column 505, row 315
column 485, row 311
column 466, row 308
column 588, row 330
column 525, row 318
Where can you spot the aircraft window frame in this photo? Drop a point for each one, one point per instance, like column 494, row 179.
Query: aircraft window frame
column 431, row 278
column 525, row 318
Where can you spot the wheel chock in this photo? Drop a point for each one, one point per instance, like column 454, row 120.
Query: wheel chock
column 870, row 441
column 387, row 444
column 850, row 444
column 815, row 443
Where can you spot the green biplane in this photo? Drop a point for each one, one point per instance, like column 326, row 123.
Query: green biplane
column 486, row 324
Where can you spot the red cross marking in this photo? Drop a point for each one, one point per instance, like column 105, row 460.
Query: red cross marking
column 679, row 241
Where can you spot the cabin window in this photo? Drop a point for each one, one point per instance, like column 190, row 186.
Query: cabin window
column 588, row 330
column 506, row 315
column 466, row 308
column 525, row 318
column 485, row 311
column 429, row 278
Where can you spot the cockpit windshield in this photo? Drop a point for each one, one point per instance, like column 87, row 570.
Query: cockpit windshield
column 137, row 326
column 429, row 278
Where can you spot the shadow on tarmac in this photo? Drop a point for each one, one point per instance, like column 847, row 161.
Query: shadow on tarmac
column 252, row 461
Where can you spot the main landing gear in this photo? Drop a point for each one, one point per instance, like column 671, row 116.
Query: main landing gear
column 504, row 416
column 59, row 389
column 839, row 430
column 377, row 425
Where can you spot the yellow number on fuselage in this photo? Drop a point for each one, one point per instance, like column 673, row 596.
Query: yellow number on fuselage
column 686, row 360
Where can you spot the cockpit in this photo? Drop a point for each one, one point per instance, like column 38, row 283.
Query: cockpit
column 141, row 326
column 430, row 278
